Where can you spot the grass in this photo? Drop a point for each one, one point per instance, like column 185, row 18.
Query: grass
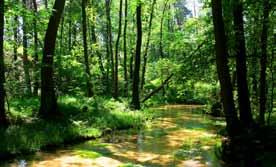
column 84, row 118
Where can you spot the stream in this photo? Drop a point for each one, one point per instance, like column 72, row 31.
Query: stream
column 183, row 136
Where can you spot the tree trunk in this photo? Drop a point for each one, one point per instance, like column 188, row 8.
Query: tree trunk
column 136, row 75
column 36, row 63
column 48, row 104
column 125, row 50
column 161, row 30
column 145, row 57
column 263, row 62
column 26, row 62
column 241, row 69
column 85, row 51
column 223, row 69
column 3, row 117
column 116, row 89
column 109, row 37
column 70, row 28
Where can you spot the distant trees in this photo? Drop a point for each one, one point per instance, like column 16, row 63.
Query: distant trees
column 48, row 102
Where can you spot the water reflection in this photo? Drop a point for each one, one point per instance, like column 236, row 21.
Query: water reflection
column 181, row 137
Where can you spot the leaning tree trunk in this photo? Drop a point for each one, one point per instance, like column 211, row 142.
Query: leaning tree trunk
column 223, row 69
column 241, row 70
column 263, row 87
column 48, row 103
column 161, row 30
column 3, row 118
column 145, row 57
column 85, row 51
column 116, row 89
column 136, row 75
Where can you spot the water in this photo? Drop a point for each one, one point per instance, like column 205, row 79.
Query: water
column 183, row 136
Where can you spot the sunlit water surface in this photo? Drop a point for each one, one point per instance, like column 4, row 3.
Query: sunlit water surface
column 183, row 136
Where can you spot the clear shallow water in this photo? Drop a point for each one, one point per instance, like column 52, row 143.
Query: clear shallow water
column 181, row 137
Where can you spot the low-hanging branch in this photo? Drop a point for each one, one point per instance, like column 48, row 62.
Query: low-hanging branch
column 157, row 89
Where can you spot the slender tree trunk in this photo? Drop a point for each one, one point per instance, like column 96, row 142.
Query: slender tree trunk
column 263, row 86
column 70, row 28
column 272, row 71
column 46, row 4
column 161, row 30
column 116, row 88
column 36, row 63
column 26, row 62
column 3, row 117
column 48, row 104
column 145, row 57
column 15, row 38
column 86, row 59
column 242, row 84
column 223, row 70
column 109, row 35
column 136, row 76
column 125, row 50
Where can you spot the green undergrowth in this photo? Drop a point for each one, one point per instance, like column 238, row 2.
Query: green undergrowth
column 83, row 118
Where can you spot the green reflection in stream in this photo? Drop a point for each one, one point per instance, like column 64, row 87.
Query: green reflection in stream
column 183, row 136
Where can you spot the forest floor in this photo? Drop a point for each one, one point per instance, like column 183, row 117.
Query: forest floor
column 83, row 119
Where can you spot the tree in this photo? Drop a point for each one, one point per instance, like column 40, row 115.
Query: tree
column 36, row 82
column 136, row 75
column 147, row 45
column 125, row 50
column 223, row 69
column 48, row 101
column 116, row 89
column 26, row 62
column 3, row 117
column 85, row 51
column 241, row 70
column 263, row 62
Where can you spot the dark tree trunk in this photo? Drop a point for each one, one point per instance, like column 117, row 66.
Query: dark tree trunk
column 3, row 117
column 85, row 51
column 145, row 57
column 26, row 62
column 116, row 89
column 263, row 62
column 223, row 70
column 241, row 69
column 48, row 104
column 46, row 4
column 125, row 50
column 15, row 38
column 136, row 75
column 36, row 63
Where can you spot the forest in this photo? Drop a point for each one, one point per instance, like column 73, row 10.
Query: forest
column 138, row 83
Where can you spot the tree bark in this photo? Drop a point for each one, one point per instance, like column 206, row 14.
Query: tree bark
column 85, row 51
column 125, row 50
column 241, row 69
column 116, row 89
column 136, row 75
column 3, row 117
column 263, row 86
column 26, row 62
column 223, row 70
column 145, row 57
column 48, row 104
